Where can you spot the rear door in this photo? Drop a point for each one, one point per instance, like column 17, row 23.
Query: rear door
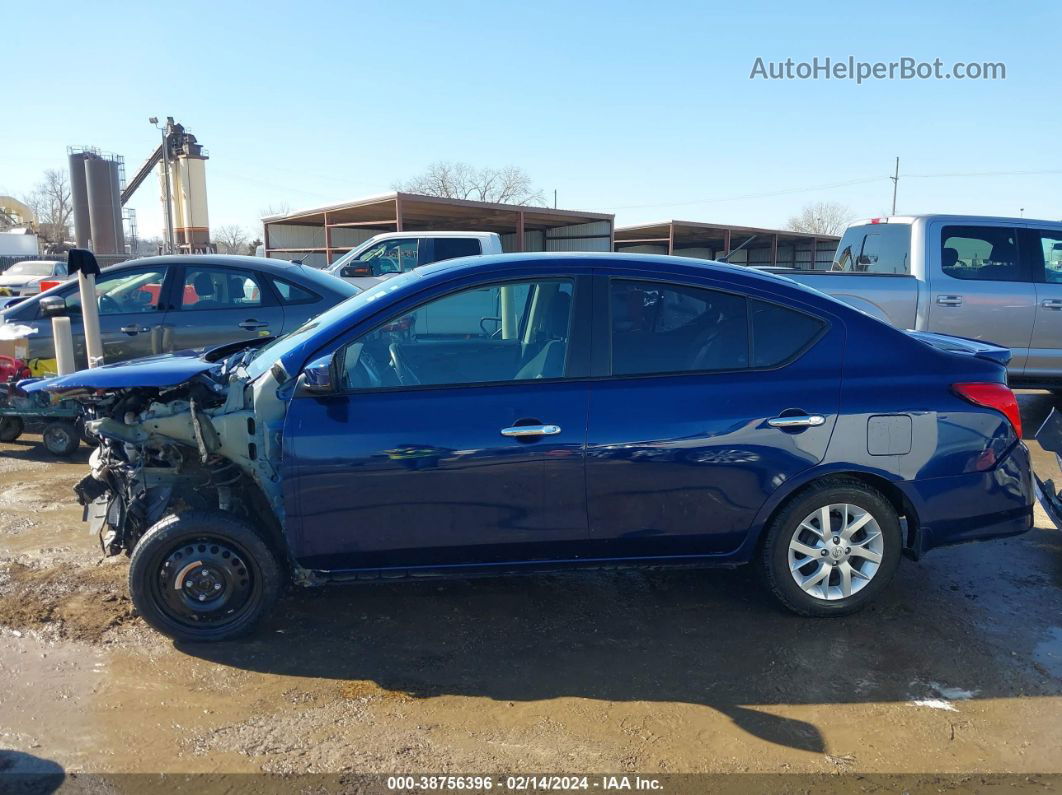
column 1043, row 250
column 981, row 287
column 684, row 444
column 218, row 304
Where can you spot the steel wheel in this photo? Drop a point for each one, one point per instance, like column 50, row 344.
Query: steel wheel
column 204, row 583
column 836, row 551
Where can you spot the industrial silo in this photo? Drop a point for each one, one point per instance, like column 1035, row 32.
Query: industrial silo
column 105, row 205
column 79, row 197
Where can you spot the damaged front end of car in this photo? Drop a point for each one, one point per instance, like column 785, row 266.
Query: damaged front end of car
column 205, row 437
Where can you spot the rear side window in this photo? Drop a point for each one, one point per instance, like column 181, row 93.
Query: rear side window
column 874, row 248
column 779, row 333
column 453, row 247
column 669, row 328
column 988, row 253
column 293, row 294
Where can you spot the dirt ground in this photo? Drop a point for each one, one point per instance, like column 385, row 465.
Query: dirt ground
column 957, row 669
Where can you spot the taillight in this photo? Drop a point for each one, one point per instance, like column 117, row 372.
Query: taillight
column 992, row 396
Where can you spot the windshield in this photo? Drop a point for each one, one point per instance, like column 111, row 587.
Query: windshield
column 31, row 269
column 337, row 318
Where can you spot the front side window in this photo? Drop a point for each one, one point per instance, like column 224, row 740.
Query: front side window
column 391, row 256
column 219, row 288
column 988, row 253
column 515, row 331
column 124, row 292
column 668, row 328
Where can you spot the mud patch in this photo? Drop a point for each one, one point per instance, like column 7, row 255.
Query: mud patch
column 65, row 602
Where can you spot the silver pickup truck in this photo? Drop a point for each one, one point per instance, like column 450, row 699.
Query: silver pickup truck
column 992, row 279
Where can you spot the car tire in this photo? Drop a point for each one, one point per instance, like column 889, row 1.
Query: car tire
column 11, row 428
column 60, row 438
column 203, row 576
column 839, row 572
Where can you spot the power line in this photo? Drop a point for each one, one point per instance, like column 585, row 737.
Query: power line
column 860, row 181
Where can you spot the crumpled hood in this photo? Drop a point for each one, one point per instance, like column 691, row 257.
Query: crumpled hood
column 168, row 369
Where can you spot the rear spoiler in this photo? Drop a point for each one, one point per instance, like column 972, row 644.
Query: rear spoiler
column 964, row 345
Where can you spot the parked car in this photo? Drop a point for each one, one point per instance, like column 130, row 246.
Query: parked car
column 988, row 278
column 382, row 256
column 162, row 304
column 25, row 277
column 624, row 409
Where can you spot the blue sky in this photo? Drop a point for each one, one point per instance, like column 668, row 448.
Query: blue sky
column 644, row 109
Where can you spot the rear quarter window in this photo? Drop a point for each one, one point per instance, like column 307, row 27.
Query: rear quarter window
column 779, row 333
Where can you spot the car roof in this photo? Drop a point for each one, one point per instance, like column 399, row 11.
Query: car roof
column 275, row 266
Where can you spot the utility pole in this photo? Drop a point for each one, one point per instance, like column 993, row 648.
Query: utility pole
column 895, row 183
column 554, row 198
column 166, row 180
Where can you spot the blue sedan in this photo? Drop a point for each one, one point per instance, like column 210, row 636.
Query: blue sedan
column 539, row 411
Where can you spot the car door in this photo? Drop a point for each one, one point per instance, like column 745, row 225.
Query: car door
column 684, row 444
column 442, row 448
column 1043, row 250
column 133, row 316
column 980, row 287
column 218, row 304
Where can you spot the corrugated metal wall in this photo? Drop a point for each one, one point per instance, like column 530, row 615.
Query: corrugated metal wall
column 595, row 236
column 295, row 236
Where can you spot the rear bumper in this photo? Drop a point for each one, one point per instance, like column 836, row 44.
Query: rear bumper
column 974, row 506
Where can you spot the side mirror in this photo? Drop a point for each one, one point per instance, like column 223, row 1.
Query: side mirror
column 316, row 377
column 53, row 306
column 355, row 271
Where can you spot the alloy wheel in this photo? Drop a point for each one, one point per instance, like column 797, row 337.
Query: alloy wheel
column 836, row 551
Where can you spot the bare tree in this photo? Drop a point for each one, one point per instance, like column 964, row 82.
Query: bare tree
column 231, row 239
column 821, row 218
column 277, row 208
column 51, row 202
column 455, row 180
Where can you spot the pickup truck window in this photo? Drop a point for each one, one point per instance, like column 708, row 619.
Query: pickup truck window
column 874, row 248
column 452, row 247
column 1051, row 244
column 391, row 256
column 980, row 252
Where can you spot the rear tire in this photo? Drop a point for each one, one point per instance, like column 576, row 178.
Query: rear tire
column 11, row 428
column 61, row 438
column 203, row 576
column 837, row 571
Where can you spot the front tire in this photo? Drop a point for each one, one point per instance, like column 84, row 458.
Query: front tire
column 203, row 576
column 833, row 549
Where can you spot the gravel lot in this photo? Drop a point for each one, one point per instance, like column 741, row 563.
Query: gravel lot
column 957, row 669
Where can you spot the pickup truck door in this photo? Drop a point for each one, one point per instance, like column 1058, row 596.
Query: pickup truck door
column 980, row 287
column 1043, row 250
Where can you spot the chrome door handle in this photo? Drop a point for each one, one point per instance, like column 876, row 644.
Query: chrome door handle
column 806, row 421
column 531, row 430
column 132, row 330
column 1051, row 303
column 252, row 324
column 949, row 300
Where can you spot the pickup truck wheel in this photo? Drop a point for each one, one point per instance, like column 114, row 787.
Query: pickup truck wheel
column 61, row 438
column 11, row 428
column 202, row 576
column 833, row 549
